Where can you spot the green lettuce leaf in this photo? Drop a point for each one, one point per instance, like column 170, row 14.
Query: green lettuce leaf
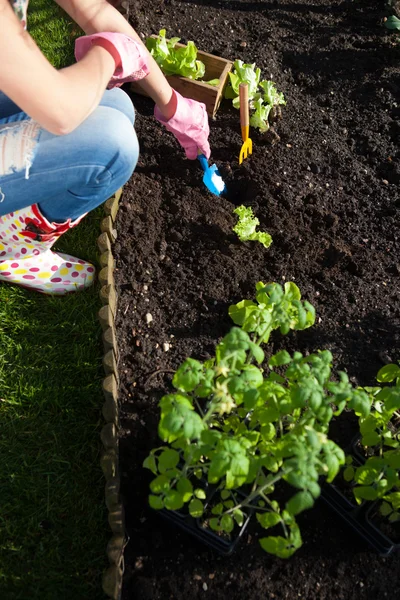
column 245, row 228
column 175, row 61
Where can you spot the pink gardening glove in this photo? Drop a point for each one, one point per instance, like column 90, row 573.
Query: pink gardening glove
column 134, row 61
column 189, row 125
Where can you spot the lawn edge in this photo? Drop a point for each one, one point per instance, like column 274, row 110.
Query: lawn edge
column 109, row 460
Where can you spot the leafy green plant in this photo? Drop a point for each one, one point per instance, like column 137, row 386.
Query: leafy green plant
column 242, row 73
column 378, row 478
column 246, row 227
column 237, row 423
column 175, row 61
column 392, row 22
column 263, row 95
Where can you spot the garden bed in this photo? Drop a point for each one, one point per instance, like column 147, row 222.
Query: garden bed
column 328, row 193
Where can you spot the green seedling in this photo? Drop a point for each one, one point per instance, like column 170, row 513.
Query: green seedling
column 175, row 61
column 263, row 95
column 239, row 422
column 379, row 477
column 246, row 226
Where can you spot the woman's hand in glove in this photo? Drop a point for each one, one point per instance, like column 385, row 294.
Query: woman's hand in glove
column 189, row 125
column 131, row 63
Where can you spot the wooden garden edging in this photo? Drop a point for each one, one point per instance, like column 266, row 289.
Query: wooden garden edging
column 109, row 461
column 112, row 578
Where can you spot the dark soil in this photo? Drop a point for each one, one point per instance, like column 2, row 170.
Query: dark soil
column 328, row 193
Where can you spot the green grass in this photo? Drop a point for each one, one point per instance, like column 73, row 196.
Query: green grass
column 53, row 523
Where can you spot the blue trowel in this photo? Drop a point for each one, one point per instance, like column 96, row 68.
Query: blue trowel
column 212, row 178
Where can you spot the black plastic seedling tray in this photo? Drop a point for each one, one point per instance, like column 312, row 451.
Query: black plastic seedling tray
column 205, row 535
column 358, row 518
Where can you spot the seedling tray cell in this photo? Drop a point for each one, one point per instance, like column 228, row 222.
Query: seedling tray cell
column 207, row 536
column 357, row 517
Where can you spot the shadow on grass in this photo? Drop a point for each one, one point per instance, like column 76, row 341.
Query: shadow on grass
column 53, row 529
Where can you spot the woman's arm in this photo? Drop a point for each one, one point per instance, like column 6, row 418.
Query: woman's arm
column 58, row 100
column 95, row 16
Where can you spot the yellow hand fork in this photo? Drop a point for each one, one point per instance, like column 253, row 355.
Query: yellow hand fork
column 247, row 146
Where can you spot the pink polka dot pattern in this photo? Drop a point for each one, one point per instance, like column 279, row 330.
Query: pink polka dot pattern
column 26, row 259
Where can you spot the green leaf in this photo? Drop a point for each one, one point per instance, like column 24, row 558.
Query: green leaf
column 278, row 546
column 333, row 465
column 213, row 82
column 365, row 493
column 245, row 228
column 239, row 312
column 348, row 474
column 268, row 519
column 238, row 515
column 394, row 499
column 227, row 523
column 156, row 502
column 214, row 524
column 251, row 376
column 196, row 508
column 268, row 432
column 188, row 375
column 240, row 465
column 218, row 509
column 175, row 61
column 392, row 457
column 173, row 500
column 367, row 474
column 388, row 373
column 193, row 426
column 385, row 509
column 259, row 118
column 370, row 439
column 219, row 465
column 185, row 488
column 392, row 22
column 200, row 494
column 280, row 358
column 299, row 502
column 168, row 459
column 160, row 484
column 150, row 463
column 257, row 352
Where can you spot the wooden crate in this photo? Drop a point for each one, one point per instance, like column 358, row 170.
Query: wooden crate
column 216, row 68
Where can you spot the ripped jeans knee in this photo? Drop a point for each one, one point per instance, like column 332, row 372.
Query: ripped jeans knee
column 67, row 175
column 18, row 142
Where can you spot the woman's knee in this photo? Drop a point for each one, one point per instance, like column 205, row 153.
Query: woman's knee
column 115, row 144
column 119, row 100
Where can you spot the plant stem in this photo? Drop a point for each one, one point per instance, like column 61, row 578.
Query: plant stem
column 257, row 492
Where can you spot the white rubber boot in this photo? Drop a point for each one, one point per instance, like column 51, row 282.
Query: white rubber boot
column 26, row 237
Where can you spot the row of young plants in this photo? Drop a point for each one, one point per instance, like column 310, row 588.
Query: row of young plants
column 249, row 437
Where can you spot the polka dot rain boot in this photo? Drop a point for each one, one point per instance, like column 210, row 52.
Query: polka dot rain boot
column 26, row 237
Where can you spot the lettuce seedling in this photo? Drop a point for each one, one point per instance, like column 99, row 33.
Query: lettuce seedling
column 263, row 104
column 260, row 102
column 259, row 117
column 392, row 22
column 175, row 61
column 242, row 73
column 245, row 228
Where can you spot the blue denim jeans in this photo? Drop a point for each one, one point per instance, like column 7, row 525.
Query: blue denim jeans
column 66, row 175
